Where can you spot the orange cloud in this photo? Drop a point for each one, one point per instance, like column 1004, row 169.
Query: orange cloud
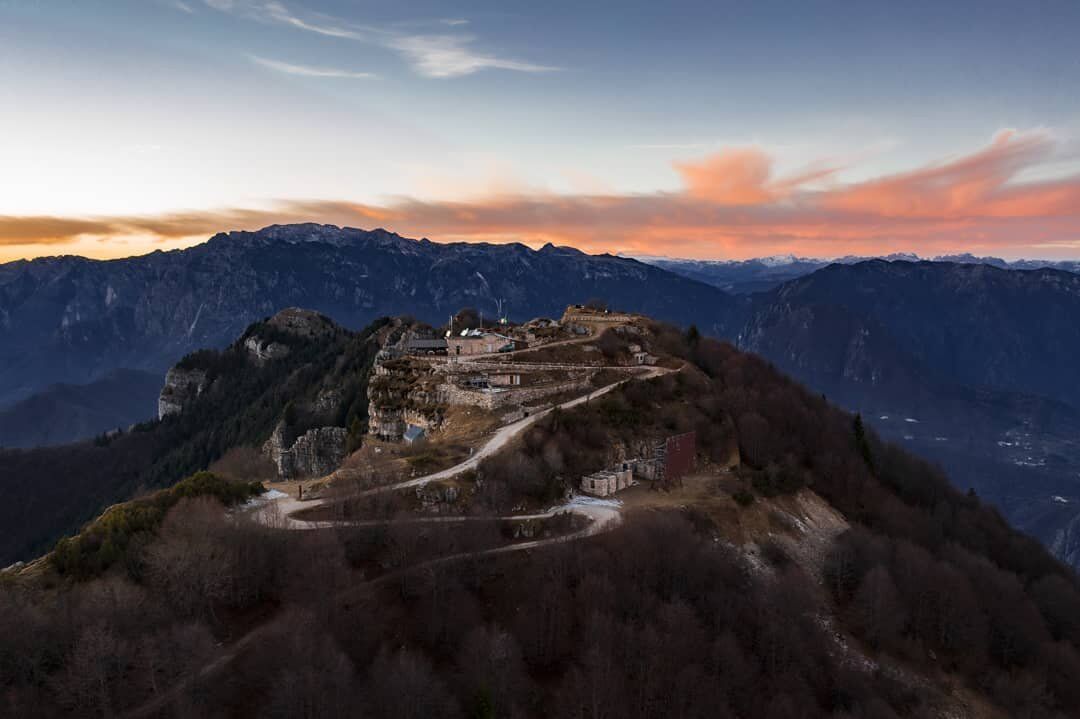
column 732, row 177
column 969, row 186
column 46, row 230
column 740, row 176
column 730, row 206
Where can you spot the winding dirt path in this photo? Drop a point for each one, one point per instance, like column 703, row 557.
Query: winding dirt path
column 279, row 513
column 603, row 516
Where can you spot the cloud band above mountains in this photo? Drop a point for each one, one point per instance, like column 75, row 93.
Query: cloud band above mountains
column 731, row 205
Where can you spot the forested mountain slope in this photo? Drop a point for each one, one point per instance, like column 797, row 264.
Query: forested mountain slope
column 47, row 491
column 930, row 605
column 967, row 364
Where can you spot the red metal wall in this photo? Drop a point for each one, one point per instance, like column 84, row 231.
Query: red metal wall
column 681, row 455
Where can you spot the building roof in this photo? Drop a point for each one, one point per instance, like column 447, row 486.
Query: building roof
column 478, row 333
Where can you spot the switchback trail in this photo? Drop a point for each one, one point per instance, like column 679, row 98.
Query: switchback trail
column 279, row 512
column 602, row 515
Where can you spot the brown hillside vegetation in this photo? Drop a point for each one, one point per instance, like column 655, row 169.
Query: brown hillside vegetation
column 929, row 606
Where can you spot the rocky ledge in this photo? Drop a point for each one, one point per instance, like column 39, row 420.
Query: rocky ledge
column 182, row 386
column 315, row 453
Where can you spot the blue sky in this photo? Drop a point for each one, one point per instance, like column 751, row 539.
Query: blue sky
column 126, row 114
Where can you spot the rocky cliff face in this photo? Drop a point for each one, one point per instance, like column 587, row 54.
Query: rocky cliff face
column 316, row 453
column 403, row 391
column 263, row 350
column 182, row 386
column 70, row 319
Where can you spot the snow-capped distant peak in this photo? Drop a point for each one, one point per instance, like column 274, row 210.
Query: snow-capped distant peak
column 778, row 260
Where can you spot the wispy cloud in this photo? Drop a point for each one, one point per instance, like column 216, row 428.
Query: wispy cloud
column 182, row 6
column 278, row 12
column 444, row 56
column 730, row 205
column 309, row 70
column 430, row 55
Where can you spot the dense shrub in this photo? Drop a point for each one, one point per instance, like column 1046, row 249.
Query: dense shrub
column 108, row 539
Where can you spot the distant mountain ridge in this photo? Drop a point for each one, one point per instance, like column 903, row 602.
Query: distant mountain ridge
column 70, row 319
column 974, row 324
column 969, row 364
column 761, row 274
column 67, row 413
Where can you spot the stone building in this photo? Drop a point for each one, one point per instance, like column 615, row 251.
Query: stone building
column 581, row 315
column 477, row 342
column 420, row 346
column 668, row 462
column 608, row 481
column 504, row 379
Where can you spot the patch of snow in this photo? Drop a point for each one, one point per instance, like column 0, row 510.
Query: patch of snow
column 1059, row 499
column 909, row 437
column 941, row 439
column 198, row 313
column 582, row 500
column 264, row 498
column 778, row 260
column 1029, row 462
column 884, row 416
column 912, row 420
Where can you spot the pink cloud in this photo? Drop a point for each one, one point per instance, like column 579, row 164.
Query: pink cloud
column 730, row 206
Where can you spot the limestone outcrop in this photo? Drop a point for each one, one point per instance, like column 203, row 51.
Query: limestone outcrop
column 181, row 388
column 402, row 391
column 264, row 350
column 315, row 453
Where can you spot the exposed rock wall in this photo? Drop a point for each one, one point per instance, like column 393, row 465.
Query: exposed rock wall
column 385, row 422
column 402, row 392
column 263, row 351
column 315, row 453
column 182, row 386
column 1065, row 543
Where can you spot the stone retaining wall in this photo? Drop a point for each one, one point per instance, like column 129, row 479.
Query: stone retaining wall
column 453, row 395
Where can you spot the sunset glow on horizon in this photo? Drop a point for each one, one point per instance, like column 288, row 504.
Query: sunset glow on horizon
column 725, row 132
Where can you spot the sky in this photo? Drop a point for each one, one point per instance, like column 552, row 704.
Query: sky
column 707, row 129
